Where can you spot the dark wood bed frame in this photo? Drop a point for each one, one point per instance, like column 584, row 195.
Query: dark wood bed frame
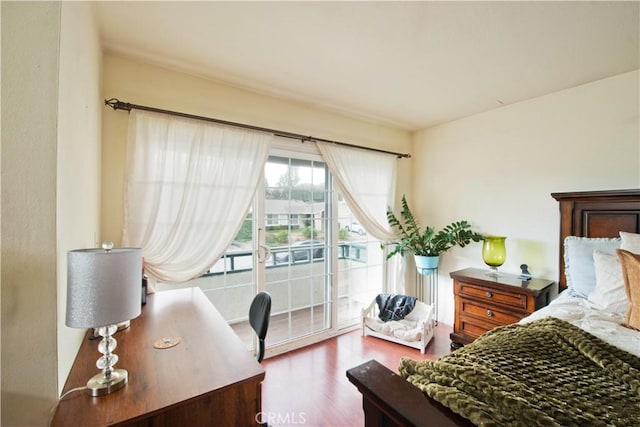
column 389, row 400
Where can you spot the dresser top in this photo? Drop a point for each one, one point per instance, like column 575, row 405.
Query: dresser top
column 481, row 277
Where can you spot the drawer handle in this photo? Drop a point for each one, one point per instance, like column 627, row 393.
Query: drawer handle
column 489, row 313
column 489, row 295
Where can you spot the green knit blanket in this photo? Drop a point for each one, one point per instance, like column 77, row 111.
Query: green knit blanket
column 544, row 373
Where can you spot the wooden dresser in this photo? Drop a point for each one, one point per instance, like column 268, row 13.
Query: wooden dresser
column 208, row 379
column 483, row 302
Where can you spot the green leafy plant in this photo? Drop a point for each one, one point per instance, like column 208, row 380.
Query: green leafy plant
column 343, row 234
column 428, row 242
column 281, row 236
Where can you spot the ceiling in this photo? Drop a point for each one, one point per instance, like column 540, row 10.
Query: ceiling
column 410, row 65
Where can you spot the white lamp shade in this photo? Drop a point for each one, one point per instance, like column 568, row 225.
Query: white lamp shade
column 103, row 287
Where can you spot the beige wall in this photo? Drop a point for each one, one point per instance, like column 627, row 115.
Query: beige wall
column 79, row 142
column 140, row 83
column 30, row 33
column 498, row 169
column 51, row 115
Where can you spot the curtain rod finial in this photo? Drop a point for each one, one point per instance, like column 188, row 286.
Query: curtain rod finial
column 116, row 104
column 112, row 102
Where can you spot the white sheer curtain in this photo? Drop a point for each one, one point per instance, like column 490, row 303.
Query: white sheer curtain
column 367, row 180
column 189, row 185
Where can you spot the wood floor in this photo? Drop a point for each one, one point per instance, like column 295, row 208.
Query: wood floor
column 309, row 387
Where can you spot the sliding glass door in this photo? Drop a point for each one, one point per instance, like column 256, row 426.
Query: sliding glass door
column 323, row 267
column 297, row 231
column 301, row 243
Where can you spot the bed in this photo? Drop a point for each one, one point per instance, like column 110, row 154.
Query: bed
column 591, row 325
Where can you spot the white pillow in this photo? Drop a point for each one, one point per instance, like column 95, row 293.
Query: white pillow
column 578, row 261
column 609, row 293
column 420, row 312
column 630, row 242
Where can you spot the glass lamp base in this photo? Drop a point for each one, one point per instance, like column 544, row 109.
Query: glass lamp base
column 99, row 385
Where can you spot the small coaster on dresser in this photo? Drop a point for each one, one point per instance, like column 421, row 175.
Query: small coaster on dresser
column 166, row 342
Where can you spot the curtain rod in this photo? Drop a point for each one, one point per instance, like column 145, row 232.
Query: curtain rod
column 116, row 104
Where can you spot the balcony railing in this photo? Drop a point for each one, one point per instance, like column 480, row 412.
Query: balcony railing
column 282, row 256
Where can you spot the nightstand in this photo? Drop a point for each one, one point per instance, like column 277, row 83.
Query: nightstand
column 483, row 302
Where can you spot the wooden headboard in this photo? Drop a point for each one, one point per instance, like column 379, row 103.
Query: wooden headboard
column 596, row 214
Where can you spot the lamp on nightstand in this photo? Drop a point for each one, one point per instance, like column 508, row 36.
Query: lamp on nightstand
column 103, row 289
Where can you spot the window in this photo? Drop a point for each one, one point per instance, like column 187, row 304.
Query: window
column 321, row 267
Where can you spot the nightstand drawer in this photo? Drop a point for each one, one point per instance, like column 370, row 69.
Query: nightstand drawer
column 492, row 296
column 472, row 329
column 489, row 313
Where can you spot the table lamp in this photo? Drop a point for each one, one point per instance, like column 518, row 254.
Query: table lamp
column 103, row 289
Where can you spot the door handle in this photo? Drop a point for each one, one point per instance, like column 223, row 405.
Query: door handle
column 264, row 252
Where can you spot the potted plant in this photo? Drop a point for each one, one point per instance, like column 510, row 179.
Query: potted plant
column 427, row 245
